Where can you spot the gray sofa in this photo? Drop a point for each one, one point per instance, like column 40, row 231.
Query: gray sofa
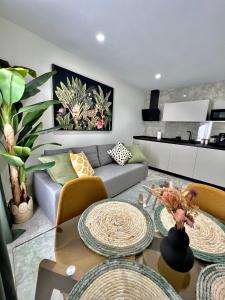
column 116, row 178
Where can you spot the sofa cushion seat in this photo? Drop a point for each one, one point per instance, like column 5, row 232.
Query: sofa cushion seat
column 119, row 178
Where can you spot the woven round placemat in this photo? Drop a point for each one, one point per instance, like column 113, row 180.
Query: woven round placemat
column 116, row 228
column 207, row 237
column 120, row 279
column 211, row 283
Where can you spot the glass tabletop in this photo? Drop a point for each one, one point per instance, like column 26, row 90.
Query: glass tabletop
column 64, row 246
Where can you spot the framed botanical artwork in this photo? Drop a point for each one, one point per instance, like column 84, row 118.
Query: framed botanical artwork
column 84, row 104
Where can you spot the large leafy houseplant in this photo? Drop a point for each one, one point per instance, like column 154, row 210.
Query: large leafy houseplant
column 21, row 126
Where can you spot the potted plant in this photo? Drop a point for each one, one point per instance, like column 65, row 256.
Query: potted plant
column 21, row 127
column 175, row 247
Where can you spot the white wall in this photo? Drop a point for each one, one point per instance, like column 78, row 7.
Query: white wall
column 21, row 47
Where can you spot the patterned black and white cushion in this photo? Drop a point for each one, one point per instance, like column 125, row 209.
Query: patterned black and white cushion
column 120, row 154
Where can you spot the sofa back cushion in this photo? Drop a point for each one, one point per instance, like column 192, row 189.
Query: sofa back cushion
column 56, row 151
column 104, row 157
column 90, row 152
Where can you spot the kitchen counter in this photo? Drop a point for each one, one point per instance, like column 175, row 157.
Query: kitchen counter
column 180, row 142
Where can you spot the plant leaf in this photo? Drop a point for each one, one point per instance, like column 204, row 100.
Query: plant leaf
column 31, row 72
column 40, row 167
column 23, row 72
column 29, row 140
column 16, row 118
column 12, row 86
column 1, row 99
column 12, row 159
column 41, row 145
column 22, row 174
column 38, row 106
column 31, row 87
column 32, row 117
column 22, row 151
column 48, row 130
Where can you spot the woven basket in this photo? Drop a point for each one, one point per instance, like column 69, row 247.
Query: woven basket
column 211, row 283
column 116, row 228
column 207, row 237
column 120, row 279
column 23, row 212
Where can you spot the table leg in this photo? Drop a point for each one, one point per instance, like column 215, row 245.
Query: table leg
column 52, row 276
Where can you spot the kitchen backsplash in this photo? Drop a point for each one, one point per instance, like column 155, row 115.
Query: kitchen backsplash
column 172, row 129
column 215, row 92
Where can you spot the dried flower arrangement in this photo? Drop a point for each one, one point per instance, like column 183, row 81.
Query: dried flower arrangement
column 179, row 203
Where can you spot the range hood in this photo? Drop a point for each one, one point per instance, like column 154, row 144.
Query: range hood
column 152, row 113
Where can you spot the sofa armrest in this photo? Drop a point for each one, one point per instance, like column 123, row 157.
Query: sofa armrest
column 46, row 192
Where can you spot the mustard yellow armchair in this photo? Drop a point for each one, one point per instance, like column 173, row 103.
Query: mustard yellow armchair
column 210, row 199
column 76, row 195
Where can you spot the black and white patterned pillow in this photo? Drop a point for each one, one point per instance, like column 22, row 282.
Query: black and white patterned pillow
column 120, row 154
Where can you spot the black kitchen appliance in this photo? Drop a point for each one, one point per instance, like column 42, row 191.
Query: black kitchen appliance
column 221, row 138
column 217, row 115
column 152, row 113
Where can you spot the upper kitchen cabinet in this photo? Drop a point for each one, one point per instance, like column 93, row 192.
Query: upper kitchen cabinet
column 188, row 111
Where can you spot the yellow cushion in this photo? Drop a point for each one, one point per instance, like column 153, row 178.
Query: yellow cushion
column 81, row 164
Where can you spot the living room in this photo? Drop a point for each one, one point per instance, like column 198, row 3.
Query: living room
column 112, row 103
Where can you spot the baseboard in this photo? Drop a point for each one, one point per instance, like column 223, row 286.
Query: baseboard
column 187, row 178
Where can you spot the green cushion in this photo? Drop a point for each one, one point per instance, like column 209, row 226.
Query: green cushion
column 62, row 171
column 137, row 155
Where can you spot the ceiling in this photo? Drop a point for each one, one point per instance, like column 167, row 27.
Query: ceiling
column 184, row 40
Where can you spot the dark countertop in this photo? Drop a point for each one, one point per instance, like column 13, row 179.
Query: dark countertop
column 179, row 142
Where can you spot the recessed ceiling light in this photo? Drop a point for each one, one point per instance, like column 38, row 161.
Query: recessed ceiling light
column 157, row 76
column 100, row 37
column 184, row 95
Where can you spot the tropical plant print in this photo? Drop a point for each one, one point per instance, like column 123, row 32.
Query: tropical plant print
column 83, row 107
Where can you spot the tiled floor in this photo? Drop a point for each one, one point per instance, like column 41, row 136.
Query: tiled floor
column 26, row 257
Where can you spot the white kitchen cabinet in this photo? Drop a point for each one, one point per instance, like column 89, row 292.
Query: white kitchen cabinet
column 210, row 166
column 204, row 164
column 188, row 111
column 157, row 153
column 182, row 160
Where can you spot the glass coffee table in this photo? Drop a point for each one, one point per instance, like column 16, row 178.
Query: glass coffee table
column 41, row 264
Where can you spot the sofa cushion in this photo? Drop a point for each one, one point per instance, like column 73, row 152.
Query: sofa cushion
column 56, row 151
column 91, row 153
column 120, row 154
column 119, row 178
column 137, row 154
column 62, row 171
column 81, row 165
column 104, row 157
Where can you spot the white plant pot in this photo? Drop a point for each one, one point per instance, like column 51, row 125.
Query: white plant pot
column 23, row 212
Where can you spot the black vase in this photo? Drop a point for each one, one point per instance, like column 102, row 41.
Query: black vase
column 176, row 251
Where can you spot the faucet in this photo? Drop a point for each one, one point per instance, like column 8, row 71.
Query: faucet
column 190, row 134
